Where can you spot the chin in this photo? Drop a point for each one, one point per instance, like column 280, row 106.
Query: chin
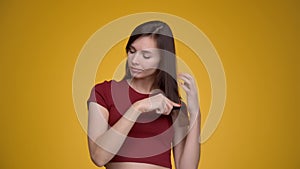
column 142, row 75
column 138, row 76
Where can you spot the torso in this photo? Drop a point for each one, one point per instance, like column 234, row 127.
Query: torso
column 132, row 165
column 149, row 141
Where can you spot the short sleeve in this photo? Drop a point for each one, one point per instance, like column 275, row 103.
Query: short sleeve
column 99, row 94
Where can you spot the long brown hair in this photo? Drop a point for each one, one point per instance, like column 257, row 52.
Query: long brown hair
column 166, row 78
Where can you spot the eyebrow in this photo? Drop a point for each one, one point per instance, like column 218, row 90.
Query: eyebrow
column 144, row 51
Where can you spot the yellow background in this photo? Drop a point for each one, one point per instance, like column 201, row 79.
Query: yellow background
column 258, row 43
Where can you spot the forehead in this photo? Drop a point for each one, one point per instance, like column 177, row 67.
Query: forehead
column 144, row 42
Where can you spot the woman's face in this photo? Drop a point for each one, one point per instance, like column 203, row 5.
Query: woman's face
column 143, row 57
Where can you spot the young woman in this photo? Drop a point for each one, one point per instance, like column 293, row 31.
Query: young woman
column 134, row 123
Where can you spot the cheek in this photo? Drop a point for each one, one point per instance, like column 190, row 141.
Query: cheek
column 129, row 57
column 153, row 63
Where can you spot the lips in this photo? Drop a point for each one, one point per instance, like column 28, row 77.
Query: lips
column 136, row 69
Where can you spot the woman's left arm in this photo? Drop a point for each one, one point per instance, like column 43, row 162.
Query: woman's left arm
column 187, row 151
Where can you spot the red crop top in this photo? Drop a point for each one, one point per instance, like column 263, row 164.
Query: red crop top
column 149, row 140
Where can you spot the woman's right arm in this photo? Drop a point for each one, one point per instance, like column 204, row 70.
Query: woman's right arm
column 105, row 142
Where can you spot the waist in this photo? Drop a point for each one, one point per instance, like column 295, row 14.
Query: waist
column 132, row 165
column 162, row 159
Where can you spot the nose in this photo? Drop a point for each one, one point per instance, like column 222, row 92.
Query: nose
column 135, row 58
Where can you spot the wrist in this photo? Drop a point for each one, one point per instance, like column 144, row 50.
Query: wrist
column 132, row 114
column 194, row 113
column 138, row 107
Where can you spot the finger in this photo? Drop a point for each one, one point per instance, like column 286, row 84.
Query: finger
column 162, row 107
column 169, row 108
column 186, row 80
column 163, row 110
column 186, row 75
column 173, row 104
column 185, row 88
column 159, row 111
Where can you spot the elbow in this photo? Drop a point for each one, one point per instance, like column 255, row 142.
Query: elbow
column 98, row 163
column 99, row 156
column 98, row 160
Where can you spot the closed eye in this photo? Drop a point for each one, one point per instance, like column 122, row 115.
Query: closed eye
column 146, row 56
column 131, row 50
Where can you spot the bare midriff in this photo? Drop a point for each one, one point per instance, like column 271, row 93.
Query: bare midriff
column 132, row 165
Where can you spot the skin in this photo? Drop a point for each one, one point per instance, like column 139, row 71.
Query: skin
column 142, row 61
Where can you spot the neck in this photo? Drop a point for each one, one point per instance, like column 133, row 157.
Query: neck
column 143, row 85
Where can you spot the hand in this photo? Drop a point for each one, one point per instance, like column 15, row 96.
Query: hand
column 158, row 103
column 189, row 87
